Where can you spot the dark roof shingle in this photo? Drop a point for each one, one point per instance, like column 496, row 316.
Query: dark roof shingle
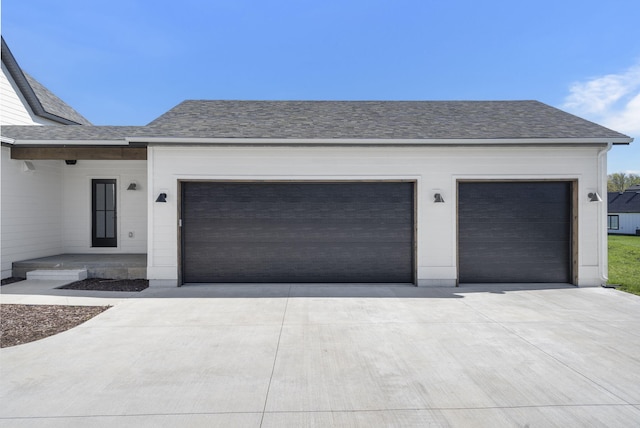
column 42, row 101
column 54, row 105
column 627, row 202
column 393, row 120
column 375, row 119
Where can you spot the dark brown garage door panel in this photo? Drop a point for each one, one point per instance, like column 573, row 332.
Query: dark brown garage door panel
column 514, row 232
column 297, row 232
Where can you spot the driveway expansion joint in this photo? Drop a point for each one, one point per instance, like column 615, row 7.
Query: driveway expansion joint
column 275, row 357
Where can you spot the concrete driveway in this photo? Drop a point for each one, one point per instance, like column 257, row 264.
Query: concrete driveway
column 332, row 356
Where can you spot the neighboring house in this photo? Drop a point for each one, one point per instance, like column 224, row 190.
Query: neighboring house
column 31, row 202
column 425, row 193
column 624, row 212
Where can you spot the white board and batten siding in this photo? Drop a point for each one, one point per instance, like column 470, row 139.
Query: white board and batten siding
column 628, row 223
column 432, row 168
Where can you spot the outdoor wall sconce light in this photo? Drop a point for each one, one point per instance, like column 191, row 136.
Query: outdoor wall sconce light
column 162, row 197
column 437, row 198
column 71, row 161
column 132, row 186
column 594, row 197
column 27, row 166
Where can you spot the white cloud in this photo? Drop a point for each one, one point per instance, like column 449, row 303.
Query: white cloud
column 612, row 100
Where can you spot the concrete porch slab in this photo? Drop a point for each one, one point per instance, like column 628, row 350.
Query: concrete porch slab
column 115, row 266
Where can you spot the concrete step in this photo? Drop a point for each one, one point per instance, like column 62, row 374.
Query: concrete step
column 115, row 266
column 58, row 274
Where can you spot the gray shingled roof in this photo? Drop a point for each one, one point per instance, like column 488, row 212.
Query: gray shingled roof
column 394, row 120
column 627, row 202
column 70, row 133
column 42, row 101
column 375, row 119
column 54, row 105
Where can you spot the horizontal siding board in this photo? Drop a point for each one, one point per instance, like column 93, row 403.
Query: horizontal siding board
column 13, row 110
column 31, row 210
column 431, row 167
column 132, row 205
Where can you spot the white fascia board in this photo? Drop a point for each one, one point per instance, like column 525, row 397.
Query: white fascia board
column 375, row 141
column 7, row 140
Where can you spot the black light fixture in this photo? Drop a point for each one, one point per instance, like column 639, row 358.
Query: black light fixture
column 132, row 186
column 71, row 161
column 594, row 197
column 162, row 197
column 437, row 198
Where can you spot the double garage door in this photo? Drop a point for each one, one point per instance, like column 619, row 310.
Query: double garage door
column 294, row 232
column 364, row 232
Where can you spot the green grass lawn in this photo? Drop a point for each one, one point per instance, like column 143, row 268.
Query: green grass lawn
column 624, row 262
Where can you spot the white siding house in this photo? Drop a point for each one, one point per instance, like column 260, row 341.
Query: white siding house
column 624, row 212
column 425, row 193
column 428, row 193
column 434, row 169
column 31, row 191
column 45, row 202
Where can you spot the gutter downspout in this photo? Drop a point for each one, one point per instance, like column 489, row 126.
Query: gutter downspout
column 603, row 260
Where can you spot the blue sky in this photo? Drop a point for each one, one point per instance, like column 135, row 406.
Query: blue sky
column 125, row 62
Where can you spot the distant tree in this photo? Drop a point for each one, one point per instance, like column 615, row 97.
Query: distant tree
column 620, row 181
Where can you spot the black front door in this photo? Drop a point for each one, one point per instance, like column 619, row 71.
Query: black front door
column 103, row 213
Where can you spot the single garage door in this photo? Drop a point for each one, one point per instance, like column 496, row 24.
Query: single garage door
column 292, row 232
column 514, row 232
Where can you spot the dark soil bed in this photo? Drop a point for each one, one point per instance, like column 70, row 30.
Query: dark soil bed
column 26, row 323
column 105, row 284
column 11, row 280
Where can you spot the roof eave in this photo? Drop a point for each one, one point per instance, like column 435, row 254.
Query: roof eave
column 377, row 141
column 142, row 141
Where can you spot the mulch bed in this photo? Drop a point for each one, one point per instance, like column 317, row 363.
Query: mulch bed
column 25, row 323
column 105, row 284
column 11, row 280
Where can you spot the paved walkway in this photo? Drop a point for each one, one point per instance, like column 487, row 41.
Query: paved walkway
column 296, row 356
